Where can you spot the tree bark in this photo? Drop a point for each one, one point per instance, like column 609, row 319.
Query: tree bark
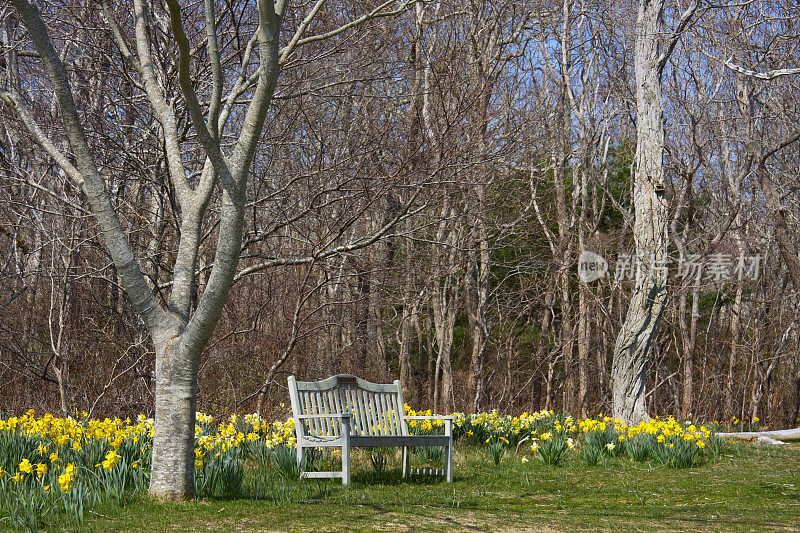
column 635, row 339
column 172, row 476
column 689, row 336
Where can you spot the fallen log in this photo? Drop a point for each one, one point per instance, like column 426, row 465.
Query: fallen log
column 782, row 435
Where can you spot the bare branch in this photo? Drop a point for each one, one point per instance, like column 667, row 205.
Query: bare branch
column 93, row 185
column 375, row 13
column 766, row 75
column 216, row 69
column 207, row 139
column 163, row 111
column 42, row 139
column 123, row 46
column 677, row 33
column 301, row 29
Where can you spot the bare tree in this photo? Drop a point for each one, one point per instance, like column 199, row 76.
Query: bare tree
column 182, row 330
column 634, row 343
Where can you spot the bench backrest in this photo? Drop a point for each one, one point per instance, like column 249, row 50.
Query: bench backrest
column 376, row 409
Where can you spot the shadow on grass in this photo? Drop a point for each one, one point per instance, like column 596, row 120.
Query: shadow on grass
column 395, row 478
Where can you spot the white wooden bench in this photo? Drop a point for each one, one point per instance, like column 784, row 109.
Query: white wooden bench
column 349, row 412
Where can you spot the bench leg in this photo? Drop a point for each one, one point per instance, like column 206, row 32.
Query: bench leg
column 448, row 430
column 300, row 459
column 406, row 461
column 346, row 464
column 449, row 463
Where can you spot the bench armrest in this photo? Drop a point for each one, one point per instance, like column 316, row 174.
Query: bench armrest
column 345, row 418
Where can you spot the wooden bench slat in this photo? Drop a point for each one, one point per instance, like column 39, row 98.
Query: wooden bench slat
column 313, row 422
column 387, row 414
column 361, row 407
column 307, row 410
column 381, row 415
column 350, row 407
column 318, row 475
column 393, row 414
column 374, row 411
column 336, row 401
column 399, row 411
column 328, row 397
column 368, row 411
column 322, row 406
column 318, row 407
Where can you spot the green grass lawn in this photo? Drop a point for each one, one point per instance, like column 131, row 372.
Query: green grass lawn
column 747, row 488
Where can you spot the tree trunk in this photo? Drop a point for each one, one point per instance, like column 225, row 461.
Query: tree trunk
column 60, row 371
column 543, row 348
column 583, row 351
column 173, row 441
column 736, row 312
column 796, row 391
column 634, row 342
column 689, row 343
column 567, row 338
column 479, row 337
column 410, row 308
column 444, row 312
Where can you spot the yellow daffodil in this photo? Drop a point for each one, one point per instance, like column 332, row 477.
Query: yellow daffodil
column 111, row 459
column 25, row 466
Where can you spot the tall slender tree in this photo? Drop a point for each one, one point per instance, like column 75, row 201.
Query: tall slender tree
column 650, row 230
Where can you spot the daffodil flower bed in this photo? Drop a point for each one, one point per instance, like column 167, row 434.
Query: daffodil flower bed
column 54, row 468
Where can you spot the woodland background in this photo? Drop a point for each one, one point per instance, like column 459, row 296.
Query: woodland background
column 418, row 207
